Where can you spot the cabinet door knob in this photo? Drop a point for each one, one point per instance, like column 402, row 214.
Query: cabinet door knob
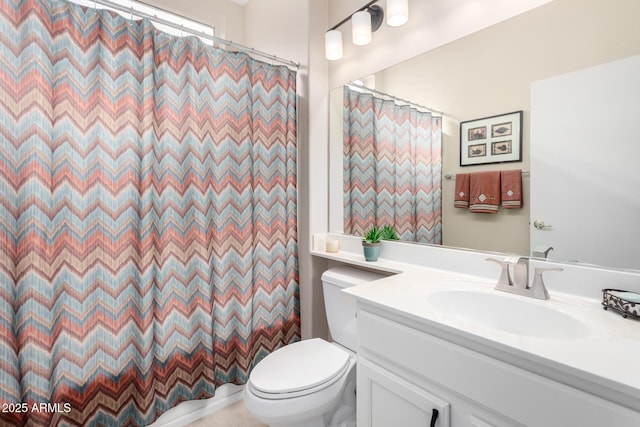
column 434, row 417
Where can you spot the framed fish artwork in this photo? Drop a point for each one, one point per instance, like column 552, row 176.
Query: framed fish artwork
column 495, row 139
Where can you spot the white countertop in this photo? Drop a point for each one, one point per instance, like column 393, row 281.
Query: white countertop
column 602, row 361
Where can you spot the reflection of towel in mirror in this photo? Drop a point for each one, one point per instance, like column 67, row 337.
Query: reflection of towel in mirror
column 511, row 182
column 484, row 192
column 461, row 199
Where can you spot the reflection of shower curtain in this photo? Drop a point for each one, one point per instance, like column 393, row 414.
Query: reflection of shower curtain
column 147, row 216
column 392, row 168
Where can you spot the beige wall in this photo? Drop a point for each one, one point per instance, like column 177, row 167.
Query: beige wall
column 490, row 72
column 226, row 17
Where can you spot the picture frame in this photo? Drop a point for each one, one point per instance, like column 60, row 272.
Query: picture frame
column 495, row 139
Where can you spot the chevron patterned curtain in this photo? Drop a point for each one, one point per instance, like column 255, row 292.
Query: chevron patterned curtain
column 392, row 168
column 148, row 243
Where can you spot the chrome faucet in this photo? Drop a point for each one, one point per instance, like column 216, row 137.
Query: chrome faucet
column 514, row 277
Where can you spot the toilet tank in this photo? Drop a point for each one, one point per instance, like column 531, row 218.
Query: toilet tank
column 341, row 307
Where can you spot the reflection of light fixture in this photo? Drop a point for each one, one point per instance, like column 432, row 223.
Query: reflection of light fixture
column 397, row 12
column 333, row 44
column 364, row 21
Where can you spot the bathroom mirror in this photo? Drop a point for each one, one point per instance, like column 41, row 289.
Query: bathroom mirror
column 490, row 73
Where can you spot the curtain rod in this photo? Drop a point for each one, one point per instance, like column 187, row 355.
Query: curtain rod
column 116, row 6
column 377, row 92
column 289, row 63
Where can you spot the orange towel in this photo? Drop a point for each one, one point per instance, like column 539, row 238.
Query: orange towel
column 484, row 192
column 461, row 199
column 511, row 189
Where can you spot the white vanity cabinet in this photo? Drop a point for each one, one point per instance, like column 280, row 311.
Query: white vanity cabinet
column 406, row 368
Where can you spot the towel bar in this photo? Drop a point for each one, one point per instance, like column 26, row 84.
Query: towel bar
column 453, row 176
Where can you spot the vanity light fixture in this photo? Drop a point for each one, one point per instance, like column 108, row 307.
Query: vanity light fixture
column 333, row 45
column 397, row 12
column 364, row 21
column 361, row 28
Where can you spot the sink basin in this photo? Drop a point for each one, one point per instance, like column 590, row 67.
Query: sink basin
column 507, row 313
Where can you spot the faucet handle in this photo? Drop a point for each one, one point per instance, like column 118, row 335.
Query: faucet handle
column 538, row 288
column 521, row 273
column 505, row 278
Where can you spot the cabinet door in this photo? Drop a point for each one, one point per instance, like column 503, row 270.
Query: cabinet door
column 386, row 400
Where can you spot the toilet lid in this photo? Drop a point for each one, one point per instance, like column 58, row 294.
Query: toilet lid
column 299, row 366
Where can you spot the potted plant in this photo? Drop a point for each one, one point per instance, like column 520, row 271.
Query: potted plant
column 371, row 243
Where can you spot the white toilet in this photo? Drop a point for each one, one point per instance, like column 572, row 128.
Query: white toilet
column 312, row 383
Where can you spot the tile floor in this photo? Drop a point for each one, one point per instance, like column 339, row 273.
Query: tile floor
column 235, row 415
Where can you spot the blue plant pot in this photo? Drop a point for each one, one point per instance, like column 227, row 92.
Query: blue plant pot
column 371, row 251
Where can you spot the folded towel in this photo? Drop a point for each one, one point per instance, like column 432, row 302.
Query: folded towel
column 484, row 192
column 461, row 199
column 511, row 182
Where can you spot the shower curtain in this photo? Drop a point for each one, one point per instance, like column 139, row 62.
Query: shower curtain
column 147, row 216
column 392, row 168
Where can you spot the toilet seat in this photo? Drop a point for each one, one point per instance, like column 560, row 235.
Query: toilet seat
column 299, row 369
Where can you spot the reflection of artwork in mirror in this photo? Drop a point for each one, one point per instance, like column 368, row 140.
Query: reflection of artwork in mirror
column 477, row 150
column 392, row 168
column 502, row 150
column 478, row 133
column 500, row 147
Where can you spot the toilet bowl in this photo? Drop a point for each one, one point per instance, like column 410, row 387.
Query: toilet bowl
column 312, row 383
column 303, row 384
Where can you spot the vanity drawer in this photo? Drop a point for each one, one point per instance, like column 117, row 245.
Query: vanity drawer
column 523, row 396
